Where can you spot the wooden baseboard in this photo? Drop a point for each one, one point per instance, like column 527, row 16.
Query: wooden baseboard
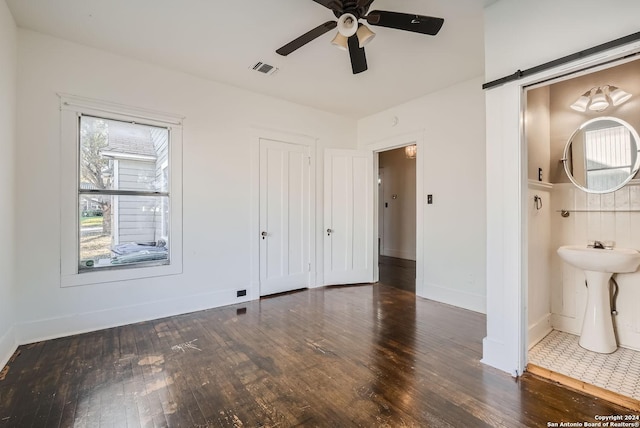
column 587, row 388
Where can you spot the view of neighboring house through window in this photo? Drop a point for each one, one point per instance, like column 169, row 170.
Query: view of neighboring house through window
column 608, row 155
column 123, row 193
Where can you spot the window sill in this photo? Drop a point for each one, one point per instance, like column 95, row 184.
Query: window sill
column 88, row 277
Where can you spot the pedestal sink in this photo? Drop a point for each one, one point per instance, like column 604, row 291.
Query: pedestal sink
column 599, row 265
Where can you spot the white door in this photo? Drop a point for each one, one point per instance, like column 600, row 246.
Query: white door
column 348, row 217
column 284, row 216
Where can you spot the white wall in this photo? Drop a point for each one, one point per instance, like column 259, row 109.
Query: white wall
column 8, row 68
column 537, row 125
column 537, row 128
column 452, row 122
column 520, row 34
column 218, row 203
column 399, row 215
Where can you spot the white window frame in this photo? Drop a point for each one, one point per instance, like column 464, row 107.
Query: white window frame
column 71, row 108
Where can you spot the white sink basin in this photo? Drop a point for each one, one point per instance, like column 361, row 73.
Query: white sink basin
column 617, row 260
column 599, row 265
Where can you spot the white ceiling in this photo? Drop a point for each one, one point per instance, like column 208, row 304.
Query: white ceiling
column 221, row 40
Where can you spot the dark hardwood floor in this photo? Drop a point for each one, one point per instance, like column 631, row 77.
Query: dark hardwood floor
column 398, row 273
column 364, row 356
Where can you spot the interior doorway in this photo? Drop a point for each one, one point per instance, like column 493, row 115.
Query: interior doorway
column 397, row 217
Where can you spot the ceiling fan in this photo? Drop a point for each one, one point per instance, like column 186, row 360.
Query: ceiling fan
column 353, row 35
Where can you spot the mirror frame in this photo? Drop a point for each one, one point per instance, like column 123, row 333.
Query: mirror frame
column 636, row 166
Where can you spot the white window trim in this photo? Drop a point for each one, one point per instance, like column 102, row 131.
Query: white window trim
column 71, row 107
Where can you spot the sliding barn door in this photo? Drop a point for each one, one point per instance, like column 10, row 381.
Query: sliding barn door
column 284, row 216
column 348, row 217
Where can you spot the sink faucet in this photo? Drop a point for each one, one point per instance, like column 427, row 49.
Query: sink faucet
column 602, row 245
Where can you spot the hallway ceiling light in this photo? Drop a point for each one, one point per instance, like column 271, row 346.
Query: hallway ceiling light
column 600, row 98
column 411, row 151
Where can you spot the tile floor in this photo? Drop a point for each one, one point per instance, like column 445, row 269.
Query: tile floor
column 618, row 372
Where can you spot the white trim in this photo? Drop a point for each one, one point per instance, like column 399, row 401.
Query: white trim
column 543, row 185
column 51, row 328
column 8, row 346
column 254, row 135
column 462, row 299
column 507, row 242
column 497, row 354
column 69, row 275
column 399, row 254
column 505, row 180
column 115, row 209
column 120, row 155
column 539, row 330
column 634, row 182
column 394, row 142
column 566, row 323
column 118, row 111
column 540, row 185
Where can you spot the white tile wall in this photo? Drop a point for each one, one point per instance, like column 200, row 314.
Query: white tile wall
column 568, row 293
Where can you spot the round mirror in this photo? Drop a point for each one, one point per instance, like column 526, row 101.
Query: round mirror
column 602, row 155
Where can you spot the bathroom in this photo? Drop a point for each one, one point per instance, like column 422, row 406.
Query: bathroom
column 560, row 213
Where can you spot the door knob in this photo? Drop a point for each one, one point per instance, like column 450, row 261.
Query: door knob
column 264, row 234
column 329, row 231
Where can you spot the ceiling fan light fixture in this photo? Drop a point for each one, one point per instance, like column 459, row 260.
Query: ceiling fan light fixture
column 340, row 42
column 365, row 35
column 347, row 24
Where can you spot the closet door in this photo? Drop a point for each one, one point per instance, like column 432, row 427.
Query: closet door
column 284, row 216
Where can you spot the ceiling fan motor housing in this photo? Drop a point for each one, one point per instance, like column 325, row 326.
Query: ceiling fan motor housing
column 352, row 7
column 347, row 24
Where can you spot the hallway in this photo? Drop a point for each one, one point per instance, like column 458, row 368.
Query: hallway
column 398, row 273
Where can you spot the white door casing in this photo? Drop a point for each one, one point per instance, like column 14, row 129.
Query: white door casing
column 381, row 184
column 395, row 142
column 348, row 217
column 284, row 216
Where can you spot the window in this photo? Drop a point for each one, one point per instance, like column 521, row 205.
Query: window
column 124, row 196
column 125, row 220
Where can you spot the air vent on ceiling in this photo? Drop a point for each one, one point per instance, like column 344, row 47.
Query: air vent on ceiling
column 263, row 68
